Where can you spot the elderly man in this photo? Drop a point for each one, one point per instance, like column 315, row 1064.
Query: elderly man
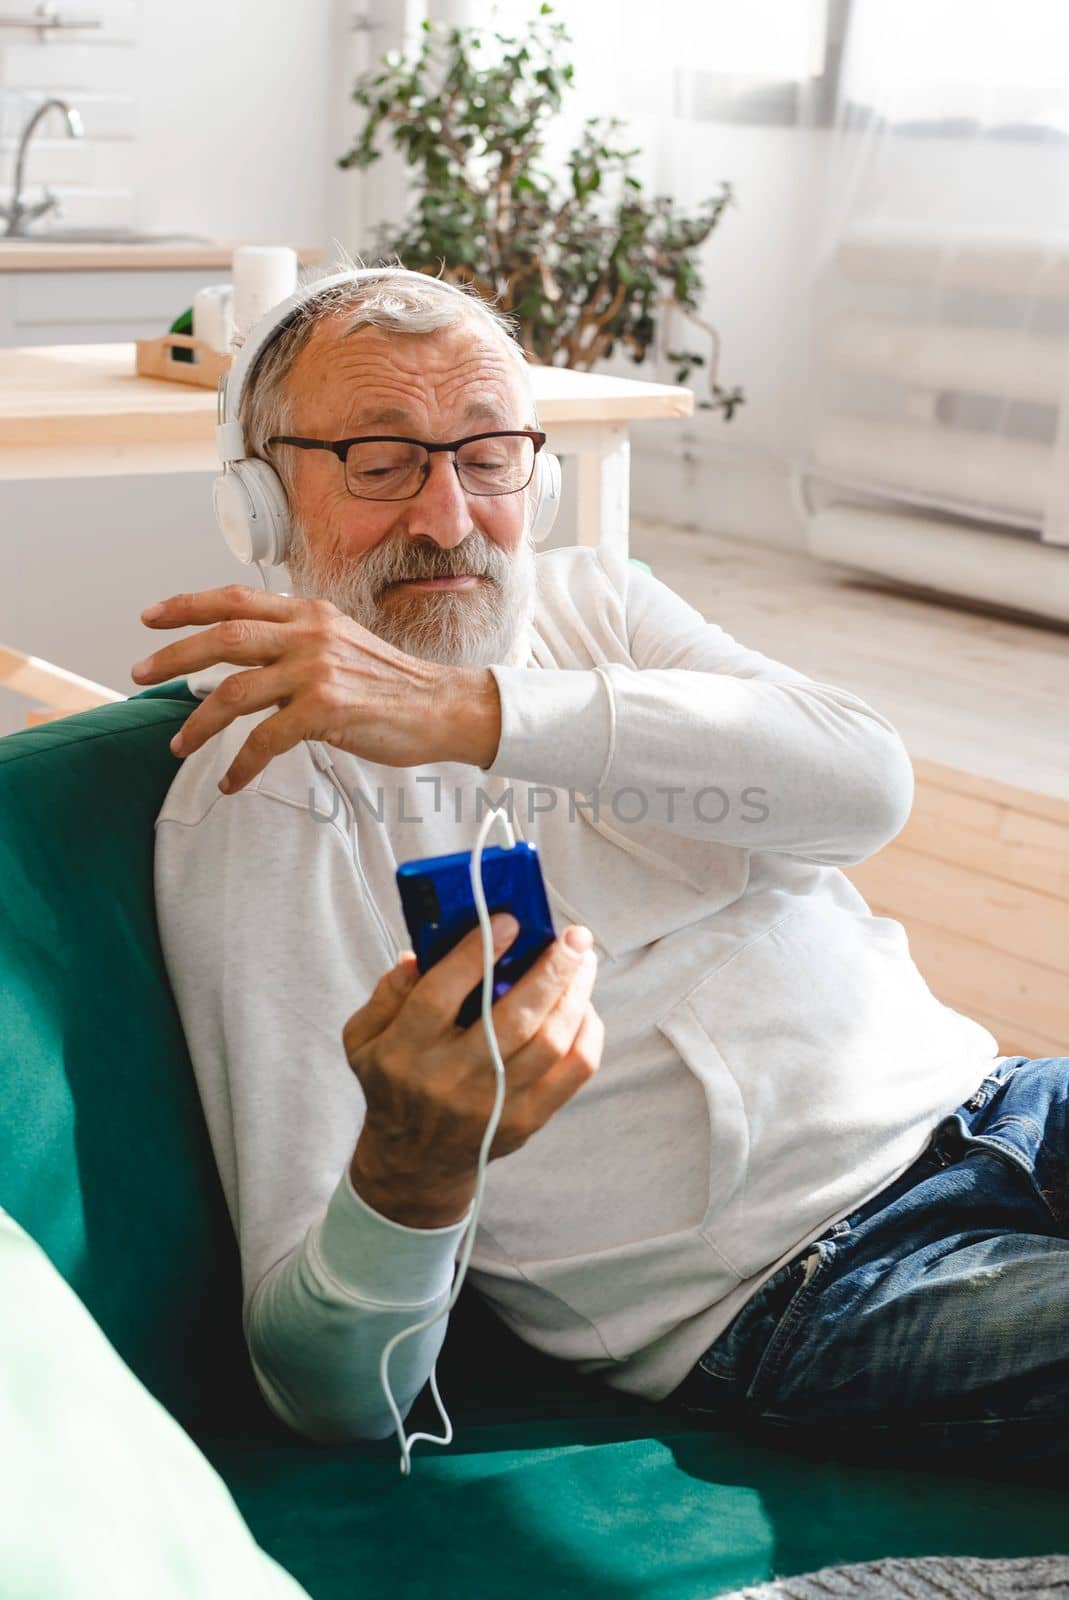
column 746, row 1163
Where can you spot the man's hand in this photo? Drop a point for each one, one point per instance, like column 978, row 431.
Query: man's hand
column 430, row 1086
column 332, row 680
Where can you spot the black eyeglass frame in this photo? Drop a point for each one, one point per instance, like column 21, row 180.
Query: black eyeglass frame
column 340, row 448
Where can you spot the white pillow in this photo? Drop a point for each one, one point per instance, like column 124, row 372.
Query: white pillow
column 102, row 1494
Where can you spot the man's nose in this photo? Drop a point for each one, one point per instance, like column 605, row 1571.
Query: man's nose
column 440, row 511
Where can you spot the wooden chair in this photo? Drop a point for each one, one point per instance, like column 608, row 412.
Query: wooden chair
column 62, row 692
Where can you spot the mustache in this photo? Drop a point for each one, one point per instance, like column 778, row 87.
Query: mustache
column 402, row 559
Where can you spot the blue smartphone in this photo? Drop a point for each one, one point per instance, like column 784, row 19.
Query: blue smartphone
column 439, row 910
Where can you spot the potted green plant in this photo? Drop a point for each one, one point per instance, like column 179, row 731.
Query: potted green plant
column 584, row 264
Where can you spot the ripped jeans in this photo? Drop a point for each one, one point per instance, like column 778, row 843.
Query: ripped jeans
column 932, row 1325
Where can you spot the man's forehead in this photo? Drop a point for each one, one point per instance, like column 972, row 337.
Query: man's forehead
column 479, row 409
column 390, row 376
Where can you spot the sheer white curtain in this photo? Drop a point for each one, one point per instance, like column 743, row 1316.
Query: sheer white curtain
column 939, row 375
column 674, row 56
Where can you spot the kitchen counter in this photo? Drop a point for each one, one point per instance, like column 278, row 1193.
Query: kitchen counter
column 138, row 256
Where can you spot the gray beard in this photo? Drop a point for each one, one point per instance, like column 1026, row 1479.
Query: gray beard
column 479, row 627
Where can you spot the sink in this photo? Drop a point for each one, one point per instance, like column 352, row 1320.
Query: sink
column 103, row 236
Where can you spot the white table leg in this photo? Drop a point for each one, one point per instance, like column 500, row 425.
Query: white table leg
column 604, row 515
column 603, row 455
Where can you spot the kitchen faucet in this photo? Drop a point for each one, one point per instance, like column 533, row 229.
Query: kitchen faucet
column 18, row 213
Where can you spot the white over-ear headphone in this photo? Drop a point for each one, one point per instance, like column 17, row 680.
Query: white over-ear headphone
column 248, row 497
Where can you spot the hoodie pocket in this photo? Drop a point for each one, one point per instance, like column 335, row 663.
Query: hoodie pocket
column 827, row 1061
column 630, row 1296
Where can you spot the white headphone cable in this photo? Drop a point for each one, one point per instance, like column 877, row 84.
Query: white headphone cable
column 496, row 814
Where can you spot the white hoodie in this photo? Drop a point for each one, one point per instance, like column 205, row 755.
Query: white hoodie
column 772, row 1056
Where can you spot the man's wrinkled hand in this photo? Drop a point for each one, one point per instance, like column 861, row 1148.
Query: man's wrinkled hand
column 330, row 678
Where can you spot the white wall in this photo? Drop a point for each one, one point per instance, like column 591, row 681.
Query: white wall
column 734, row 477
column 206, row 116
column 234, row 105
column 95, row 70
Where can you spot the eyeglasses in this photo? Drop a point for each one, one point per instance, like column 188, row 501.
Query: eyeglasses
column 390, row 468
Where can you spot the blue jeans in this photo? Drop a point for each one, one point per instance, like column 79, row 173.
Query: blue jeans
column 933, row 1323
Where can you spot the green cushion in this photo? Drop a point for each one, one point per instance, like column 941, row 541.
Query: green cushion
column 654, row 1509
column 553, row 1484
column 103, row 1494
column 104, row 1156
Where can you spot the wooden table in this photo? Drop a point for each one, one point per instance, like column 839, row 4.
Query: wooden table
column 81, row 411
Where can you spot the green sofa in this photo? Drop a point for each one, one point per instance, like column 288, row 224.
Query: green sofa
column 553, row 1484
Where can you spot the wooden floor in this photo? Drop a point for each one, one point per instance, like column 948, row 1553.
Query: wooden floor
column 979, row 876
column 964, row 688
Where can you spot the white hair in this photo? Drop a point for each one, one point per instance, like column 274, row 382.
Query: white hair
column 398, row 301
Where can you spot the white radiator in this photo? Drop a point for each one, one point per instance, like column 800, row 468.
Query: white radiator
column 1017, row 572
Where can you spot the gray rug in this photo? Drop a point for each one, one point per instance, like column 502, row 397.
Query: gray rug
column 926, row 1578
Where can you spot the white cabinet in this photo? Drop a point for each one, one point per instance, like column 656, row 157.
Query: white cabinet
column 96, row 307
column 80, row 557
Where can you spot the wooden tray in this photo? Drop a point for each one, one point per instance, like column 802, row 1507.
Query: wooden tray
column 155, row 359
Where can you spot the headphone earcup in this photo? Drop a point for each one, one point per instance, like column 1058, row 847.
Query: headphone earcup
column 546, row 497
column 252, row 512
